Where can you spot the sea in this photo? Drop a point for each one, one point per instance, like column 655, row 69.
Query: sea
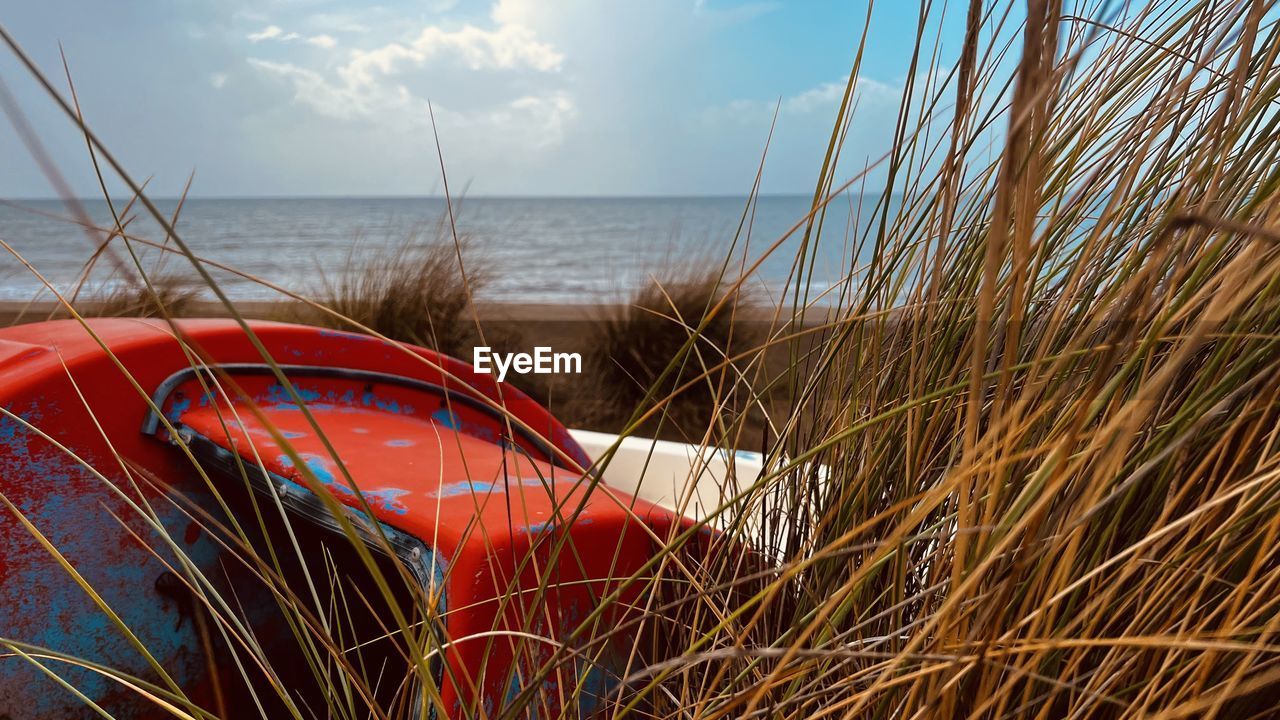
column 534, row 250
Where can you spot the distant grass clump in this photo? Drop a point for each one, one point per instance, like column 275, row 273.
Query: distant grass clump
column 628, row 363
column 419, row 291
column 167, row 294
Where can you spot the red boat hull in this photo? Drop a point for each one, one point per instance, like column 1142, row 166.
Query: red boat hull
column 402, row 437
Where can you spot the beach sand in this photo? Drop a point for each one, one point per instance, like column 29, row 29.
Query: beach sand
column 566, row 327
column 557, row 324
column 507, row 327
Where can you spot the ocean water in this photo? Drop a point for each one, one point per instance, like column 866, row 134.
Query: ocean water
column 563, row 250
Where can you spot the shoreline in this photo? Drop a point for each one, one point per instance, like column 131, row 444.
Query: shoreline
column 11, row 311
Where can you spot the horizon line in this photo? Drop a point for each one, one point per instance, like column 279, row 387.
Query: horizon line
column 707, row 196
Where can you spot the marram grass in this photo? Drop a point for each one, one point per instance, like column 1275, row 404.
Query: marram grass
column 1030, row 466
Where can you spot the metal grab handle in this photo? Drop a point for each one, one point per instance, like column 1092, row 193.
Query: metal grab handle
column 152, row 422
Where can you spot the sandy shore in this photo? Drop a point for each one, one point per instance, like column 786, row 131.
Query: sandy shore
column 13, row 311
column 566, row 327
column 507, row 327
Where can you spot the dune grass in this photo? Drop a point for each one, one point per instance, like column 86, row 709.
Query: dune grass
column 419, row 291
column 629, row 347
column 1029, row 467
column 166, row 293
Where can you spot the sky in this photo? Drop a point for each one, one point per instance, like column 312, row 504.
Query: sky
column 530, row 97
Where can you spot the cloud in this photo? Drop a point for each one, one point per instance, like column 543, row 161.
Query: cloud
column 547, row 115
column 825, row 97
column 508, row 47
column 526, row 121
column 314, row 90
column 822, row 100
column 485, row 76
column 277, row 34
column 218, row 80
column 268, row 33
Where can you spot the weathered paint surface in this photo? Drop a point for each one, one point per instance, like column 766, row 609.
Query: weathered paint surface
column 41, row 605
column 433, row 470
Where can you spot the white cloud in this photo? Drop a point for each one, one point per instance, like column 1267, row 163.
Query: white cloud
column 822, row 100
column 277, row 34
column 538, row 120
column 546, row 115
column 315, row 91
column 825, row 97
column 509, row 47
column 502, row 78
column 267, row 33
column 218, row 80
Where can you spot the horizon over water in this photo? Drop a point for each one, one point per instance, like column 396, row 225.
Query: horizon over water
column 537, row 249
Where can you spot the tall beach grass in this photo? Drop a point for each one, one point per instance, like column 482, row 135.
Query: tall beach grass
column 1028, row 462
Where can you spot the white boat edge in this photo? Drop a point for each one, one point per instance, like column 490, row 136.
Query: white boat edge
column 687, row 479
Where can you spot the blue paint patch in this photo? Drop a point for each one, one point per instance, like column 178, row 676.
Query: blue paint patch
column 320, row 468
column 513, row 689
column 278, row 395
column 593, row 683
column 597, row 684
column 388, row 499
column 401, row 442
column 470, row 487
column 177, row 408
column 9, row 432
column 465, row 487
column 446, row 417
